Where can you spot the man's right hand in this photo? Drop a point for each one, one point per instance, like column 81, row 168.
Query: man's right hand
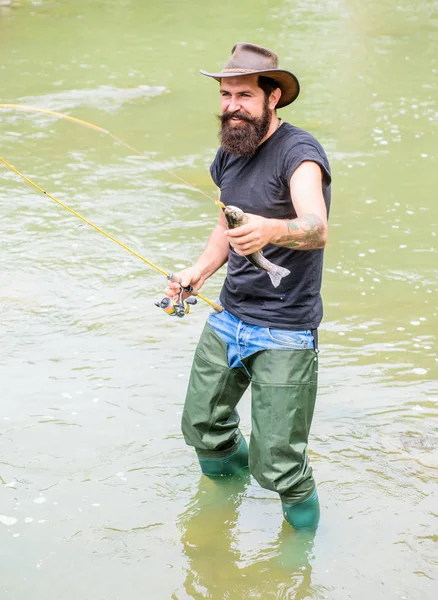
column 190, row 276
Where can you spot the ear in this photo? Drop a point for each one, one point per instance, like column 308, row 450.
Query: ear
column 274, row 98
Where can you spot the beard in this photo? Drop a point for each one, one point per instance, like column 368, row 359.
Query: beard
column 244, row 139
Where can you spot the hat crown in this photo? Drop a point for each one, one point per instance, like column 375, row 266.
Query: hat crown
column 251, row 57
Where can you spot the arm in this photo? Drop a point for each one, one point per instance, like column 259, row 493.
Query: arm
column 307, row 232
column 215, row 253
column 212, row 258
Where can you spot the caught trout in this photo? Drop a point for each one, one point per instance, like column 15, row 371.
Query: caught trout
column 235, row 218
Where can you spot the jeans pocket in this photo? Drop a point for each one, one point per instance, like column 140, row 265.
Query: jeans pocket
column 294, row 340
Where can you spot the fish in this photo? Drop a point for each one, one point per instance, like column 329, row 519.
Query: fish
column 235, row 218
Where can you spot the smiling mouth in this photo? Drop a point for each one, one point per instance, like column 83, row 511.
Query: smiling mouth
column 236, row 119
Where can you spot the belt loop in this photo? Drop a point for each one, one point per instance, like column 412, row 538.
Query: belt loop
column 315, row 340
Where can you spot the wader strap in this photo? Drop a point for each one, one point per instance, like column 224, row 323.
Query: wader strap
column 315, row 340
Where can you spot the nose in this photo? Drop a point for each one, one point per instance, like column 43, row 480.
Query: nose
column 233, row 105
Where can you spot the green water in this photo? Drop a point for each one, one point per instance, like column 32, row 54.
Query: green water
column 99, row 497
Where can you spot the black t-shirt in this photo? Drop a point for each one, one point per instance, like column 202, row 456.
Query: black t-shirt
column 260, row 185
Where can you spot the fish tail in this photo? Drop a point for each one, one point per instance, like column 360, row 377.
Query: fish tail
column 276, row 274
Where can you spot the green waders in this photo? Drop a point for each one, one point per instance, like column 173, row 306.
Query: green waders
column 283, row 390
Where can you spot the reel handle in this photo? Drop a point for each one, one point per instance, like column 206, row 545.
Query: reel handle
column 176, row 309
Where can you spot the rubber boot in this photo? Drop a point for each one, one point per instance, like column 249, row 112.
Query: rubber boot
column 226, row 465
column 304, row 515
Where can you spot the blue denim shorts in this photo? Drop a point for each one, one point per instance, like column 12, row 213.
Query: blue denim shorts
column 244, row 339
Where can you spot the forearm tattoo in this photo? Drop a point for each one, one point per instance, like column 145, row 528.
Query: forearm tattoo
column 304, row 233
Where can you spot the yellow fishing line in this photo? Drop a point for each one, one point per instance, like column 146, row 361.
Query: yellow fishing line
column 54, row 114
column 109, row 236
column 101, row 130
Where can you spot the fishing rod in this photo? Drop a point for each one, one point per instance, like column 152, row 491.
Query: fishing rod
column 178, row 308
column 106, row 132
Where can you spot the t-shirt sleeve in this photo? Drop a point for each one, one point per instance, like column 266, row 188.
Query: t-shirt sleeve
column 216, row 168
column 307, row 150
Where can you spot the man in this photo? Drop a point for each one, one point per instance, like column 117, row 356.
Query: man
column 266, row 336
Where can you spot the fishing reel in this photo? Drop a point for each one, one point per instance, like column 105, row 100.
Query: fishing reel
column 180, row 308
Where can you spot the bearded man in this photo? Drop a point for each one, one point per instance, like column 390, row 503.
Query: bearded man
column 266, row 336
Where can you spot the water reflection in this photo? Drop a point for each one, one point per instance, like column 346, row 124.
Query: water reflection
column 217, row 565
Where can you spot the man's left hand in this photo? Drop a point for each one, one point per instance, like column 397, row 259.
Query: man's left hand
column 252, row 236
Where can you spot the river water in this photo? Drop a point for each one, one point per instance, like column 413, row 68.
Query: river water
column 99, row 497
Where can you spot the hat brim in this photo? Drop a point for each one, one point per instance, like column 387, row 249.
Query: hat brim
column 287, row 82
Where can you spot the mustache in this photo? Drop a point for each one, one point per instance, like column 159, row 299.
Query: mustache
column 227, row 116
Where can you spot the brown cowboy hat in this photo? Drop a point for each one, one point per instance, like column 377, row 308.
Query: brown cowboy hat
column 250, row 59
